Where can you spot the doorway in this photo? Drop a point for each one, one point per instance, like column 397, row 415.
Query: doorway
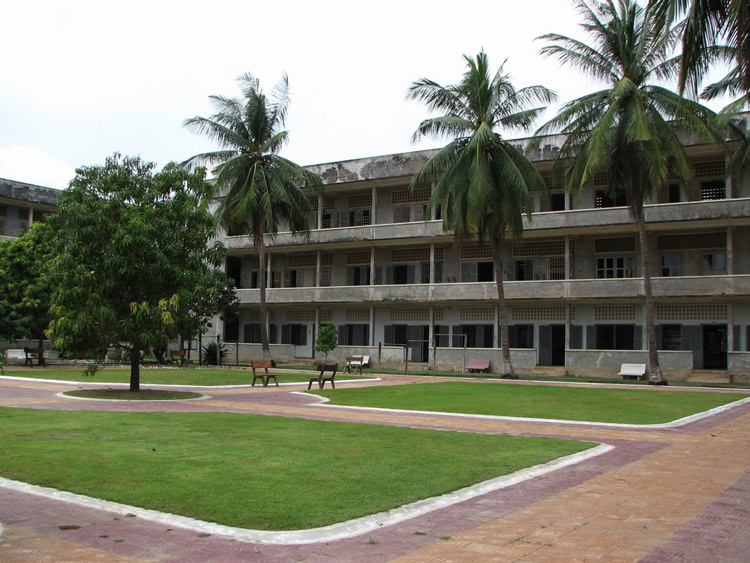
column 714, row 347
column 552, row 345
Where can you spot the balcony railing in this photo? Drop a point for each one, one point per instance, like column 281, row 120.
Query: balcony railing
column 705, row 287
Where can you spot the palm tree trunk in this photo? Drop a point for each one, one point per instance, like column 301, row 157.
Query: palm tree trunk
column 261, row 244
column 655, row 375
column 135, row 370
column 507, row 371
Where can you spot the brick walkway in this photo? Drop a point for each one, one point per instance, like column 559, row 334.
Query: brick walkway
column 661, row 495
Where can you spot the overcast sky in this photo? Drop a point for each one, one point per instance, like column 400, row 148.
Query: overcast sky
column 84, row 79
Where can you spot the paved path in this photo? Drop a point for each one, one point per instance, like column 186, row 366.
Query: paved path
column 661, row 495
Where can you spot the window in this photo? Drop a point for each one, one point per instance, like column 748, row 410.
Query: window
column 234, row 270
column 615, row 337
column 523, row 270
column 671, row 337
column 673, row 193
column 521, row 336
column 251, row 333
column 358, row 275
column 614, row 267
column 671, row 265
column 354, row 335
column 713, row 263
column 231, row 330
column 325, row 277
column 477, row 271
column 359, row 217
column 477, row 336
column 401, row 214
column 604, row 200
column 557, row 201
column 713, row 189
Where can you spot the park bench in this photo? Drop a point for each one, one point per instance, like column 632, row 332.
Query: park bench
column 263, row 364
column 633, row 371
column 478, row 365
column 177, row 356
column 31, row 355
column 356, row 363
column 321, row 378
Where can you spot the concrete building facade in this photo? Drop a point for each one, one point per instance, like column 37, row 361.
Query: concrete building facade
column 397, row 286
column 22, row 204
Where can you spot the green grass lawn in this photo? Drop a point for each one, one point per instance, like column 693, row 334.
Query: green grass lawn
column 254, row 471
column 634, row 406
column 169, row 376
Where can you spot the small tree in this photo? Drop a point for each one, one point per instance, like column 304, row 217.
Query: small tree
column 328, row 339
column 133, row 265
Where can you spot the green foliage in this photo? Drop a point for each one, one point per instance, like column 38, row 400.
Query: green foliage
column 481, row 180
column 25, row 288
column 262, row 189
column 328, row 339
column 208, row 354
column 133, row 265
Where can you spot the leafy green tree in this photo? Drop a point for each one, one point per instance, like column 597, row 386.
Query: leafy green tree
column 630, row 128
column 708, row 23
column 262, row 190
column 481, row 180
column 24, row 286
column 328, row 339
column 133, row 262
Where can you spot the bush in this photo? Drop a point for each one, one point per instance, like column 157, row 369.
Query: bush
column 208, row 354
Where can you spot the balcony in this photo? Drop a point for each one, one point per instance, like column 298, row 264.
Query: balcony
column 687, row 287
column 699, row 214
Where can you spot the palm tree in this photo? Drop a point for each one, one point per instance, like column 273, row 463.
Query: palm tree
column 263, row 189
column 629, row 128
column 707, row 23
column 481, row 180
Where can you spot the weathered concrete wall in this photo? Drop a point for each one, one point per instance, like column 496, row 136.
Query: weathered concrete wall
column 674, row 364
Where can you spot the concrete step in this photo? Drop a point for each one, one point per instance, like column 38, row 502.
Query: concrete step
column 709, row 376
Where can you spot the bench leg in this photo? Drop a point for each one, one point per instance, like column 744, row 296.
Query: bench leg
column 254, row 378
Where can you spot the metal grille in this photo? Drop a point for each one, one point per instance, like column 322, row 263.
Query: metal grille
column 326, row 315
column 357, row 315
column 302, row 261
column 600, row 179
column 474, row 251
column 409, row 255
column 300, row 315
column 556, row 268
column 691, row 312
column 359, row 201
column 356, row 257
column 313, row 203
column 329, row 204
column 534, row 313
column 419, row 196
column 439, row 314
column 614, row 312
column 553, row 183
column 326, row 259
column 477, row 314
column 709, row 169
column 539, row 248
column 420, row 314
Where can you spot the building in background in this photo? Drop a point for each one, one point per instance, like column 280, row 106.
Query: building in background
column 22, row 204
column 397, row 286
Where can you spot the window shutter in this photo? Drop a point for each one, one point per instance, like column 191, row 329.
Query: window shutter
column 473, row 267
column 638, row 338
column 464, row 271
column 342, row 336
column 388, row 335
column 350, row 276
column 576, row 337
column 737, row 336
column 286, row 334
column 411, row 274
column 378, row 275
column 659, row 337
column 389, row 275
column 513, row 336
column 457, row 342
column 272, row 336
column 438, row 272
column 590, row 337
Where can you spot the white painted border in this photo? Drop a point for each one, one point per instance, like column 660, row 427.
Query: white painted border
column 62, row 395
column 169, row 385
column 333, row 532
column 322, row 402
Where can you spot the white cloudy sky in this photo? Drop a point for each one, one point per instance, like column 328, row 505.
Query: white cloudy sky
column 83, row 79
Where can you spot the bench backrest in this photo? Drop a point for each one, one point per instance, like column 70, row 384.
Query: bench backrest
column 323, row 368
column 261, row 364
column 354, row 359
column 639, row 369
column 478, row 364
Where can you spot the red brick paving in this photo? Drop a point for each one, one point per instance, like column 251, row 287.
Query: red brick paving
column 660, row 495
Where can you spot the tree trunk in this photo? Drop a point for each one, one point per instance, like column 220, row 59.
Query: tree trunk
column 507, row 371
column 261, row 244
column 654, row 370
column 135, row 370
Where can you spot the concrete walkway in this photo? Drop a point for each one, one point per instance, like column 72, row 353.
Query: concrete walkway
column 673, row 494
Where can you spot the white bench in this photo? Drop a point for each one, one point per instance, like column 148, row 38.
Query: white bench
column 354, row 363
column 633, row 371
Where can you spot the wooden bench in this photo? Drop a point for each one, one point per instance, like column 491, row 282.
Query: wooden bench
column 263, row 364
column 31, row 355
column 321, row 378
column 478, row 365
column 177, row 356
column 355, row 363
column 633, row 371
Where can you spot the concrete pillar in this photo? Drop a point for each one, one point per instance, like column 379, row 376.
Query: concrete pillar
column 372, row 265
column 372, row 325
column 374, row 209
column 320, row 212
column 432, row 263
column 568, row 271
column 317, row 268
column 730, row 251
